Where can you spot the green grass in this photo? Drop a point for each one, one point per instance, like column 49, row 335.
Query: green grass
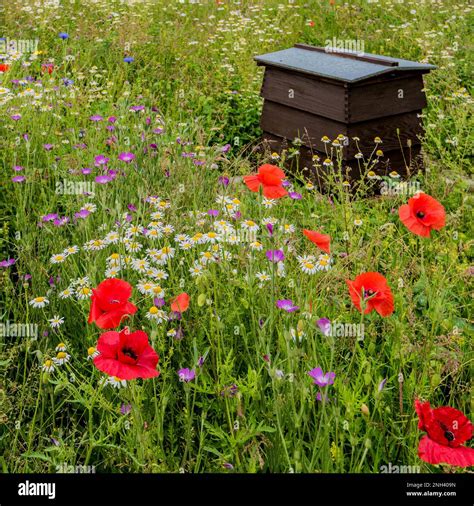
column 194, row 73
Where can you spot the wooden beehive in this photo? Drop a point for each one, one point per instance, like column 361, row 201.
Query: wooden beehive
column 310, row 93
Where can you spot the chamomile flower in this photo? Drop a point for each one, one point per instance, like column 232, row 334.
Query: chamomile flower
column 48, row 366
column 112, row 237
column 115, row 382
column 95, row 245
column 157, row 291
column 140, row 264
column 186, row 245
column 250, row 225
column 134, row 230
column 61, row 347
column 288, row 228
column 145, row 287
column 61, row 358
column 323, row 263
column 58, row 258
column 394, row 174
column 167, row 229
column 39, row 302
column 156, row 215
column 256, row 245
column 167, row 252
column 92, row 352
column 133, row 246
column 181, row 238
column 90, row 206
column 56, row 321
column 160, row 274
column 309, row 186
column 198, row 238
column 154, row 233
column 207, row 257
column 71, row 250
column 83, row 292
column 196, row 270
column 358, row 222
column 65, row 294
column 212, row 237
column 263, row 277
column 308, row 264
column 156, row 314
column 268, row 203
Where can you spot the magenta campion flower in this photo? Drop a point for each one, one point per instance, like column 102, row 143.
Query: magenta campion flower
column 86, row 171
column 111, row 119
column 18, row 179
column 270, row 229
column 125, row 408
column 18, row 168
column 103, row 179
column 83, row 213
column 324, row 325
column 295, row 195
column 186, row 374
column 213, row 212
column 158, row 131
column 320, row 378
column 287, row 305
column 48, row 147
column 226, row 148
column 126, row 157
column 223, row 180
column 96, row 117
column 16, row 117
column 275, row 255
column 49, row 217
column 100, row 160
column 7, row 263
column 136, row 108
column 59, row 222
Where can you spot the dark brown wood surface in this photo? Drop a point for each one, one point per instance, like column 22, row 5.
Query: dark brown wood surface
column 284, row 121
column 348, row 104
column 305, row 93
column 385, row 98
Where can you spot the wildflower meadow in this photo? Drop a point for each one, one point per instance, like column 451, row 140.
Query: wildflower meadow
column 175, row 299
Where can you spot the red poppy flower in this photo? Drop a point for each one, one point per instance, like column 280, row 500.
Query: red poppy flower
column 110, row 303
column 375, row 290
column 270, row 177
column 126, row 355
column 447, row 430
column 322, row 241
column 47, row 67
column 422, row 214
column 4, row 67
column 180, row 303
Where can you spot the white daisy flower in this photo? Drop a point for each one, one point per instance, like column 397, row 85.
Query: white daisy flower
column 61, row 358
column 156, row 314
column 56, row 321
column 83, row 292
column 115, row 382
column 39, row 302
column 92, row 352
column 65, row 294
column 48, row 366
column 112, row 272
column 59, row 258
column 71, row 250
column 145, row 287
column 196, row 270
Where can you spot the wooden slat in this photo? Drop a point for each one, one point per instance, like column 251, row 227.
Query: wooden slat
column 304, row 93
column 383, row 99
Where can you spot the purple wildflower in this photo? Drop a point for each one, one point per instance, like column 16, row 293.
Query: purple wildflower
column 320, row 378
column 213, row 212
column 7, row 263
column 126, row 157
column 18, row 179
column 224, row 180
column 382, row 384
column 275, row 255
column 96, row 117
column 186, row 374
column 125, row 408
column 295, row 195
column 287, row 305
column 324, row 325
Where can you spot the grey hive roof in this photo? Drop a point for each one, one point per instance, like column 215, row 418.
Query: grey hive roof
column 341, row 67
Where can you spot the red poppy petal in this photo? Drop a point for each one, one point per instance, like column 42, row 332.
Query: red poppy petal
column 180, row 303
column 252, row 182
column 111, row 319
column 95, row 311
column 410, row 221
column 384, row 306
column 271, row 173
column 108, row 344
column 354, row 293
column 274, row 192
column 322, row 241
column 432, row 452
